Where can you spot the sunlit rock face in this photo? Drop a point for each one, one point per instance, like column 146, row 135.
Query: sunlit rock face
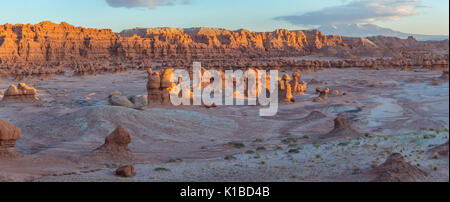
column 20, row 93
column 9, row 134
column 64, row 43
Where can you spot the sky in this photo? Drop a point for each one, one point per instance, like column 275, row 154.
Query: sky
column 409, row 16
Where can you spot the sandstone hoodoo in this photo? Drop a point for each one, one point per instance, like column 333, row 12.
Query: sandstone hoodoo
column 285, row 89
column 299, row 87
column 323, row 95
column 21, row 92
column 159, row 87
column 9, row 134
column 116, row 146
column 167, row 85
column 395, row 169
column 342, row 128
column 176, row 104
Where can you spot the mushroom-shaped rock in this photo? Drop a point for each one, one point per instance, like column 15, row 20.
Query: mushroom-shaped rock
column 154, row 88
column 323, row 95
column 9, row 134
column 154, row 81
column 285, row 89
column 116, row 146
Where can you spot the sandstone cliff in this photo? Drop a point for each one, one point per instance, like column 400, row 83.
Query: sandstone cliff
column 50, row 42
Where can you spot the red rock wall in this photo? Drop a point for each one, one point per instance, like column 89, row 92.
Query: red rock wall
column 49, row 42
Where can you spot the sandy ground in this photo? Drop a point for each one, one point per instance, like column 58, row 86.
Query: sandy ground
column 394, row 111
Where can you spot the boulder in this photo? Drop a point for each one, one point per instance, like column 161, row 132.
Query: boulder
column 335, row 92
column 115, row 93
column 122, row 101
column 22, row 92
column 26, row 90
column 126, row 171
column 12, row 91
column 139, row 101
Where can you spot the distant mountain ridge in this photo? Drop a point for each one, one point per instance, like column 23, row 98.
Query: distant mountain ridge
column 368, row 30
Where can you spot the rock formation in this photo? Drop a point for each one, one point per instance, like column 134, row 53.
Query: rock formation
column 167, row 84
column 395, row 169
column 323, row 95
column 119, row 100
column 299, row 87
column 154, row 88
column 159, row 87
column 335, row 92
column 22, row 92
column 134, row 102
column 342, row 128
column 126, row 171
column 46, row 48
column 116, row 146
column 9, row 134
column 139, row 101
column 285, row 90
column 303, row 86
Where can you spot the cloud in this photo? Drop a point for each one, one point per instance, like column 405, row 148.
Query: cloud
column 150, row 4
column 357, row 11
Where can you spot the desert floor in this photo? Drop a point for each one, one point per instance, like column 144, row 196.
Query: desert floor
column 395, row 111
